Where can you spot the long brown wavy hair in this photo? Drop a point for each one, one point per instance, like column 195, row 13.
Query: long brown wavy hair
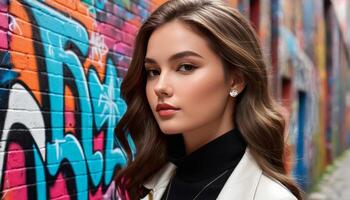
column 256, row 114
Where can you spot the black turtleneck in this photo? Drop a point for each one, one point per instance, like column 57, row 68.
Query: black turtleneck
column 213, row 162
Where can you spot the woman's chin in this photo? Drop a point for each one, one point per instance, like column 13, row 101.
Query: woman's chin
column 170, row 131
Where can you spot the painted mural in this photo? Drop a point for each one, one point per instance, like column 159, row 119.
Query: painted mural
column 342, row 12
column 314, row 69
column 61, row 66
column 62, row 63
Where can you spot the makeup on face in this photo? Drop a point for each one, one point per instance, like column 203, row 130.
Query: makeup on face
column 166, row 110
column 186, row 87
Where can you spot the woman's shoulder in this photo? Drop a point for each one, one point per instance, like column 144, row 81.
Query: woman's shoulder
column 269, row 188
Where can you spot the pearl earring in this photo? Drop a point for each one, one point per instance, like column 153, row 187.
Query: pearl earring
column 233, row 93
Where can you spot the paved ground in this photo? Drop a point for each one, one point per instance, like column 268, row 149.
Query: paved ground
column 335, row 185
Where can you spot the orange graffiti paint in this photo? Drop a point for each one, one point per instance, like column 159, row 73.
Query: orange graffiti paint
column 20, row 40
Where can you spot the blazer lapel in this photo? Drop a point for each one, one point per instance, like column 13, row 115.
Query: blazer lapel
column 241, row 184
column 243, row 181
column 159, row 181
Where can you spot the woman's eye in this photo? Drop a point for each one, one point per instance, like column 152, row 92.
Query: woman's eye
column 186, row 67
column 152, row 72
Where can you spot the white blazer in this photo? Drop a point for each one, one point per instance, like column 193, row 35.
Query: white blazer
column 247, row 182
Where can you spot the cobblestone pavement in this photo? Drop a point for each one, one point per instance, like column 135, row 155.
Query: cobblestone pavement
column 335, row 185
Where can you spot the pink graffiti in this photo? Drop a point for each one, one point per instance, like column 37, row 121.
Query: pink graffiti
column 98, row 142
column 3, row 39
column 3, row 29
column 59, row 189
column 15, row 174
column 69, row 122
column 97, row 195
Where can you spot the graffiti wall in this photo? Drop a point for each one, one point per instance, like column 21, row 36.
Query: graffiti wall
column 341, row 8
column 62, row 63
column 308, row 60
column 61, row 66
column 314, row 69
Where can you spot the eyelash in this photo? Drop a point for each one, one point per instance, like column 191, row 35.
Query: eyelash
column 148, row 72
column 187, row 64
column 193, row 67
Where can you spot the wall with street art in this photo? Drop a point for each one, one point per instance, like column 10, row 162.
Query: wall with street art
column 61, row 65
column 306, row 46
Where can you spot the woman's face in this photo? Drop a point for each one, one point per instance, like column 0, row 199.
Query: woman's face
column 184, row 72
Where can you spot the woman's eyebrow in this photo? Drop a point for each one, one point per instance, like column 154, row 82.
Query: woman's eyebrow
column 175, row 56
column 184, row 54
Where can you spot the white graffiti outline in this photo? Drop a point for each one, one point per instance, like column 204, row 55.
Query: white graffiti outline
column 57, row 145
column 14, row 25
column 51, row 51
column 98, row 47
column 32, row 120
column 110, row 105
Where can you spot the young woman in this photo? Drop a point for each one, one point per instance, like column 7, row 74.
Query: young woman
column 199, row 110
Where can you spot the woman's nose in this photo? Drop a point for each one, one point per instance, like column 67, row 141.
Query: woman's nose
column 163, row 87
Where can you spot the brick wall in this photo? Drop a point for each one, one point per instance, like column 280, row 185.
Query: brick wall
column 62, row 62
column 61, row 65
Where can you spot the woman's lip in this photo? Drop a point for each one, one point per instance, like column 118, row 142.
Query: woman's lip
column 167, row 112
column 165, row 106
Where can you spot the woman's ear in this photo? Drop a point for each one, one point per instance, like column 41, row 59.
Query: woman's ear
column 238, row 82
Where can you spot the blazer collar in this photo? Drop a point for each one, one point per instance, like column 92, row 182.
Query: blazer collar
column 241, row 184
column 159, row 181
column 243, row 181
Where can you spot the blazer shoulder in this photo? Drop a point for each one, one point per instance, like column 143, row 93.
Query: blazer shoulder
column 269, row 188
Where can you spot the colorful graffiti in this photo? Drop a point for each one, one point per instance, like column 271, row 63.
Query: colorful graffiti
column 341, row 8
column 312, row 54
column 62, row 63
